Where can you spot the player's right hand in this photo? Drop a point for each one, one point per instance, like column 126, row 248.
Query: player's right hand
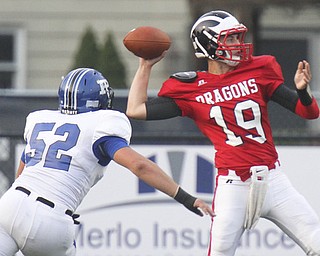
column 203, row 208
column 151, row 62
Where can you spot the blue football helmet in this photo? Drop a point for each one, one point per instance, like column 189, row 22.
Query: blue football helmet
column 84, row 90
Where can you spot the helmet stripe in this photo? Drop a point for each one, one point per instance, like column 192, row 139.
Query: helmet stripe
column 76, row 85
column 71, row 89
column 68, row 102
column 66, row 91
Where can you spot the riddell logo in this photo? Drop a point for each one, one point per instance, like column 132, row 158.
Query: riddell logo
column 204, row 176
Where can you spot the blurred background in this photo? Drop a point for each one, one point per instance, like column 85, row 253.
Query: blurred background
column 41, row 40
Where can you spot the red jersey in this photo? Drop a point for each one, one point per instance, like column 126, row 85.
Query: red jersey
column 231, row 110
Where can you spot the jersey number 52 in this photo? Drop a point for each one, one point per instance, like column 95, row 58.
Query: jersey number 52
column 67, row 137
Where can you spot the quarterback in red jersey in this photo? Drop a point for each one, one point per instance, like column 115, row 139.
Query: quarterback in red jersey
column 228, row 103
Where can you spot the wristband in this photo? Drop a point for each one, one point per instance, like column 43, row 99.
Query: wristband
column 185, row 198
column 305, row 97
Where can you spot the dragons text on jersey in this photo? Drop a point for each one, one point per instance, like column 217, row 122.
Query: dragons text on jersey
column 229, row 92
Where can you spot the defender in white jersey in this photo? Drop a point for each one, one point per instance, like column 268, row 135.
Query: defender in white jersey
column 65, row 155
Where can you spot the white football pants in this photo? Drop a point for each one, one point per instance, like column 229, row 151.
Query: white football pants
column 33, row 227
column 283, row 205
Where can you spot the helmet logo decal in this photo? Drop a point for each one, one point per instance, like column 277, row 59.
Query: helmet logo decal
column 103, row 86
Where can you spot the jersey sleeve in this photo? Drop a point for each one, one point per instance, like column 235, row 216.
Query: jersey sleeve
column 31, row 119
column 272, row 74
column 168, row 88
column 181, row 92
column 28, row 126
column 308, row 112
column 179, row 85
column 23, row 157
column 113, row 123
column 105, row 148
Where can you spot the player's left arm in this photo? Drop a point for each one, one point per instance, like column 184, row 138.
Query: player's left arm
column 154, row 176
column 307, row 106
column 21, row 165
column 300, row 101
column 117, row 149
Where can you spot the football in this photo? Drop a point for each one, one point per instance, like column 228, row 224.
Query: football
column 147, row 42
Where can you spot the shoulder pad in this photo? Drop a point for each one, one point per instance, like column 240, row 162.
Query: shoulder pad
column 186, row 77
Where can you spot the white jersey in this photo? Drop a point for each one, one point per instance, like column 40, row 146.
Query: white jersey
column 61, row 165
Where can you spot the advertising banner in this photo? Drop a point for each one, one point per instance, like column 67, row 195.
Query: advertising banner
column 122, row 216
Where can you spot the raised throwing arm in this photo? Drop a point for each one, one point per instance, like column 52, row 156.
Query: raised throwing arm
column 137, row 97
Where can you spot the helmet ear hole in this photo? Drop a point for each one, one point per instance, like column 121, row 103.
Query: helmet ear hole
column 219, row 52
column 110, row 93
